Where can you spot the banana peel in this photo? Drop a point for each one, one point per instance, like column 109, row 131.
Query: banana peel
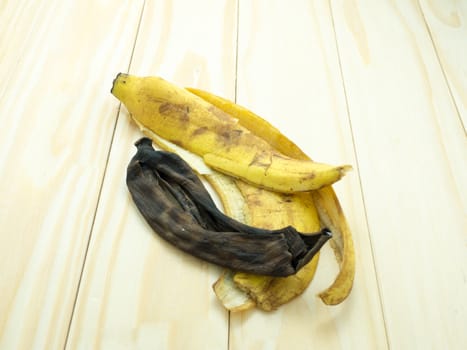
column 231, row 297
column 254, row 123
column 325, row 199
column 185, row 119
column 265, row 292
column 332, row 216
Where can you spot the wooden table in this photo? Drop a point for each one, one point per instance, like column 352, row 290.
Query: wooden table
column 378, row 84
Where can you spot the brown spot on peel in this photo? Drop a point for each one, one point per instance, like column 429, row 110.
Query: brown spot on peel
column 175, row 110
column 221, row 115
column 200, row 131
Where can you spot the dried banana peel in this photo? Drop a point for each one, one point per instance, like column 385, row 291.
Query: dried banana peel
column 260, row 208
column 177, row 206
column 325, row 199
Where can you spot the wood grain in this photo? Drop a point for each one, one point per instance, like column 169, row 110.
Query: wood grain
column 289, row 74
column 57, row 124
column 447, row 24
column 137, row 290
column 411, row 152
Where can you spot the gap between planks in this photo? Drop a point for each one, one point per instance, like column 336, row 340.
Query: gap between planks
column 237, row 31
column 354, row 147
column 443, row 71
column 65, row 345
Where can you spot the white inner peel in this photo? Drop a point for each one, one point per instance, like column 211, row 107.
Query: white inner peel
column 195, row 161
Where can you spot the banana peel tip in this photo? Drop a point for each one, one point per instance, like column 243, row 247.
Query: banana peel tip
column 345, row 169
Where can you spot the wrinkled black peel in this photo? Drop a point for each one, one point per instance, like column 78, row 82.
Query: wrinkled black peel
column 177, row 206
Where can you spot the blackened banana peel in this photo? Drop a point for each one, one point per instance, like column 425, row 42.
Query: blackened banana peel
column 177, row 206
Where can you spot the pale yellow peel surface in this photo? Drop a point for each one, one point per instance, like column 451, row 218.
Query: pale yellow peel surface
column 267, row 171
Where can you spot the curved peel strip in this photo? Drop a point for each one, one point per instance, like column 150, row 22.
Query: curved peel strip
column 232, row 298
column 230, row 196
column 325, row 198
column 271, row 292
column 332, row 216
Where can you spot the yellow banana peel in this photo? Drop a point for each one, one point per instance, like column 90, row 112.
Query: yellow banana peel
column 325, row 199
column 187, row 120
column 254, row 123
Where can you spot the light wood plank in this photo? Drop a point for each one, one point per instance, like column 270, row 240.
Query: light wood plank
column 288, row 72
column 21, row 20
column 411, row 150
column 447, row 23
column 137, row 290
column 56, row 129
